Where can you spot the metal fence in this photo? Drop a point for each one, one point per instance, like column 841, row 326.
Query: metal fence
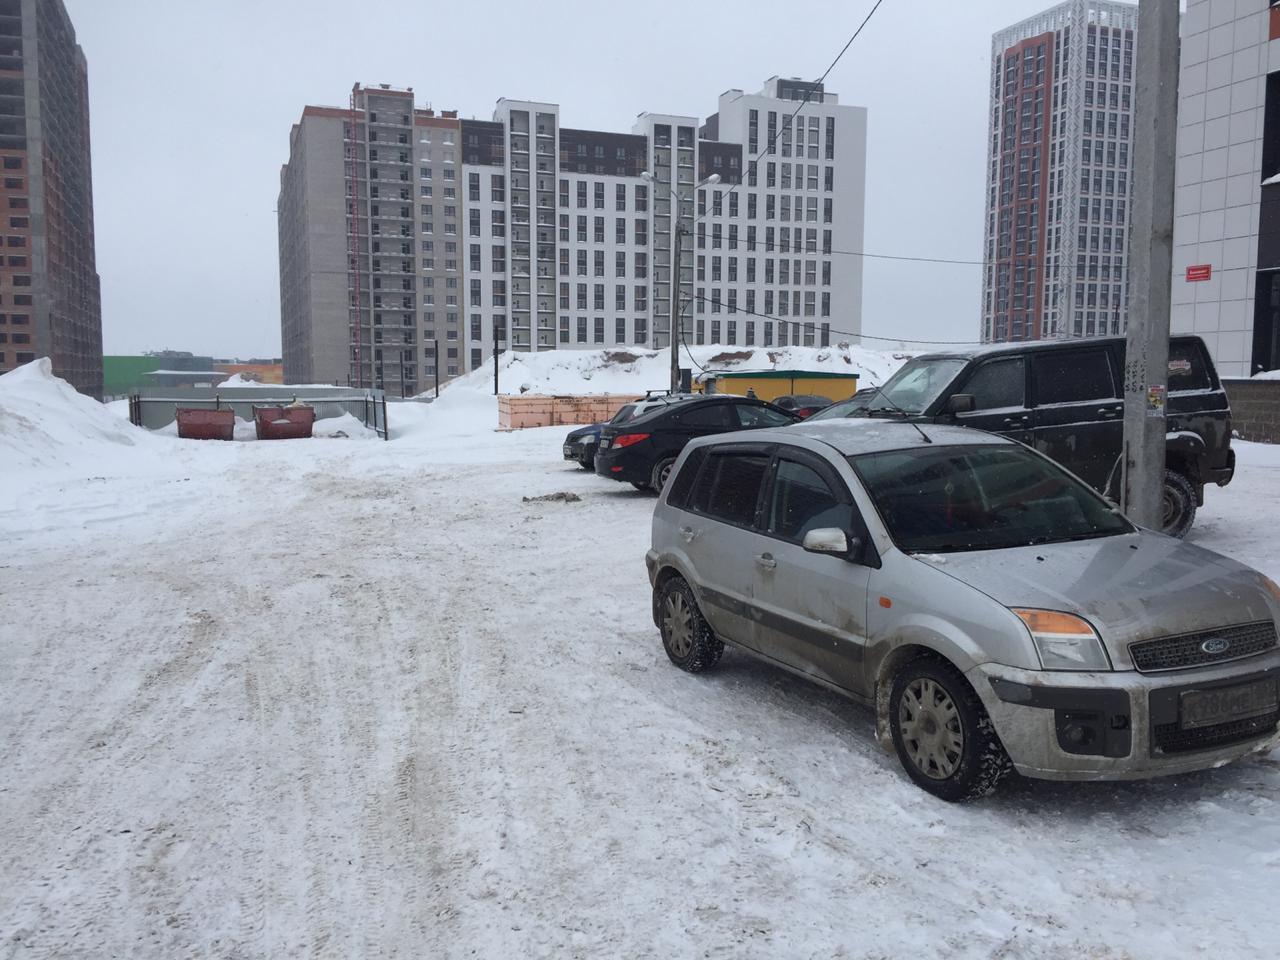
column 156, row 408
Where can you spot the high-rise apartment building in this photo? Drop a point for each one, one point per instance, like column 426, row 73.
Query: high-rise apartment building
column 1059, row 173
column 49, row 296
column 1226, row 238
column 528, row 235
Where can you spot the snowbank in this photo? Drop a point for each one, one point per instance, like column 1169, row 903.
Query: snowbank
column 1267, row 374
column 45, row 423
column 343, row 426
column 634, row 371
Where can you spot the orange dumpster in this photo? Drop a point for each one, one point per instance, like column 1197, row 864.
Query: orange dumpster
column 284, row 423
column 197, row 424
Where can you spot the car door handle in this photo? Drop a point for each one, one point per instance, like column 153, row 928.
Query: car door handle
column 689, row 534
column 1015, row 421
column 766, row 560
column 1109, row 412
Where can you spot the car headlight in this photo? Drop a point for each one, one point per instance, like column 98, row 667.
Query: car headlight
column 1272, row 587
column 1064, row 641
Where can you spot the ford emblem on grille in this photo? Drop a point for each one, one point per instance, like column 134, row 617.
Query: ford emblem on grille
column 1215, row 645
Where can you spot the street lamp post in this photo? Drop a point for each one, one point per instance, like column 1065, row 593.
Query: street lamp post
column 677, row 231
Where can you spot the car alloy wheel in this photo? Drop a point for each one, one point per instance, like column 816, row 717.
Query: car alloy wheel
column 931, row 729
column 686, row 636
column 661, row 474
column 678, row 617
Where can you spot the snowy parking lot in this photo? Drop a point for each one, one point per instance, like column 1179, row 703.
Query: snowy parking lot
column 347, row 698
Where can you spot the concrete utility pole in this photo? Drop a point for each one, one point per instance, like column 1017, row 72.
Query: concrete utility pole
column 1146, row 368
column 678, row 230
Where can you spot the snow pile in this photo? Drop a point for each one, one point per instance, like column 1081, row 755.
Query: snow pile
column 45, row 423
column 1267, row 375
column 634, row 371
column 240, row 380
column 343, row 426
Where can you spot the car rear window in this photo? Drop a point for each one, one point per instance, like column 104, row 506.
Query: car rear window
column 1073, row 376
column 728, row 486
column 1187, row 369
column 706, row 415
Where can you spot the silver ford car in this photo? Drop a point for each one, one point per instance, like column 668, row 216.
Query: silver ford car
column 990, row 607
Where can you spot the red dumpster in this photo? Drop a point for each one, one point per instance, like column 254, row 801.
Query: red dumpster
column 283, row 423
column 196, row 424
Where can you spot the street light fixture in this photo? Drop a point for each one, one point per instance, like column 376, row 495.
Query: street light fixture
column 677, row 231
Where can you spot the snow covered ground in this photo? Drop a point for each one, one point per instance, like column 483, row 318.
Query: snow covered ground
column 339, row 699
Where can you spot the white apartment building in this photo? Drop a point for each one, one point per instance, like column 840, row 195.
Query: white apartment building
column 1227, row 198
column 534, row 236
column 1059, row 173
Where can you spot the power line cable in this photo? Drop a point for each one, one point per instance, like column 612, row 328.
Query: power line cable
column 809, row 93
column 847, row 333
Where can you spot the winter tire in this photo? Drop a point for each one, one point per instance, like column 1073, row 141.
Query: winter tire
column 944, row 738
column 1178, row 505
column 588, row 458
column 661, row 474
column 686, row 636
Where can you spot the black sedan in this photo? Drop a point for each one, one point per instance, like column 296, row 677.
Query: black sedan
column 642, row 451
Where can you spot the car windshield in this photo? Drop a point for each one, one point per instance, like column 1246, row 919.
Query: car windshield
column 917, row 384
column 843, row 408
column 946, row 499
column 625, row 413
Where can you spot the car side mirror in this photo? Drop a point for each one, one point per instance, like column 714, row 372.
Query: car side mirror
column 961, row 403
column 830, row 540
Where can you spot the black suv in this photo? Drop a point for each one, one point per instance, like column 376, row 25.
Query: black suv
column 642, row 451
column 1065, row 398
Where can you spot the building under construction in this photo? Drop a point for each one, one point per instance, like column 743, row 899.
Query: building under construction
column 49, row 296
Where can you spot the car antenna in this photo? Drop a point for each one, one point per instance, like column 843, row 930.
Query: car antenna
column 905, row 416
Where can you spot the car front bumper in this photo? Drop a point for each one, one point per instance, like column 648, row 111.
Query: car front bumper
column 1119, row 726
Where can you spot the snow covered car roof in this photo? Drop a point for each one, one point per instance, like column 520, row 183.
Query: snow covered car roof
column 854, row 435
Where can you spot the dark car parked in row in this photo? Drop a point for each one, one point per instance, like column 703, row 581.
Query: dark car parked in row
column 643, row 450
column 580, row 445
column 1065, row 399
column 802, row 404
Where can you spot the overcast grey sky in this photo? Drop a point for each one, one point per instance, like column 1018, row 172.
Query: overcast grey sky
column 192, row 102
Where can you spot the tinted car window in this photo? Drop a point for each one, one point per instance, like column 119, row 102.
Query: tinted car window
column 729, row 486
column 1187, row 370
column 951, row 498
column 803, row 501
column 625, row 413
column 752, row 416
column 997, row 384
column 706, row 415
column 682, row 485
column 1072, row 376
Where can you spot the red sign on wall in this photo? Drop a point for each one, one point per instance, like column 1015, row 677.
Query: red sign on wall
column 1199, row 271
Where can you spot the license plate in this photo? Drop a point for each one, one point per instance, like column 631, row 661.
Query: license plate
column 604, row 443
column 1203, row 708
column 568, row 450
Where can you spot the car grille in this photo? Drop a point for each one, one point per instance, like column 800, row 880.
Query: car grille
column 1169, row 738
column 1180, row 652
